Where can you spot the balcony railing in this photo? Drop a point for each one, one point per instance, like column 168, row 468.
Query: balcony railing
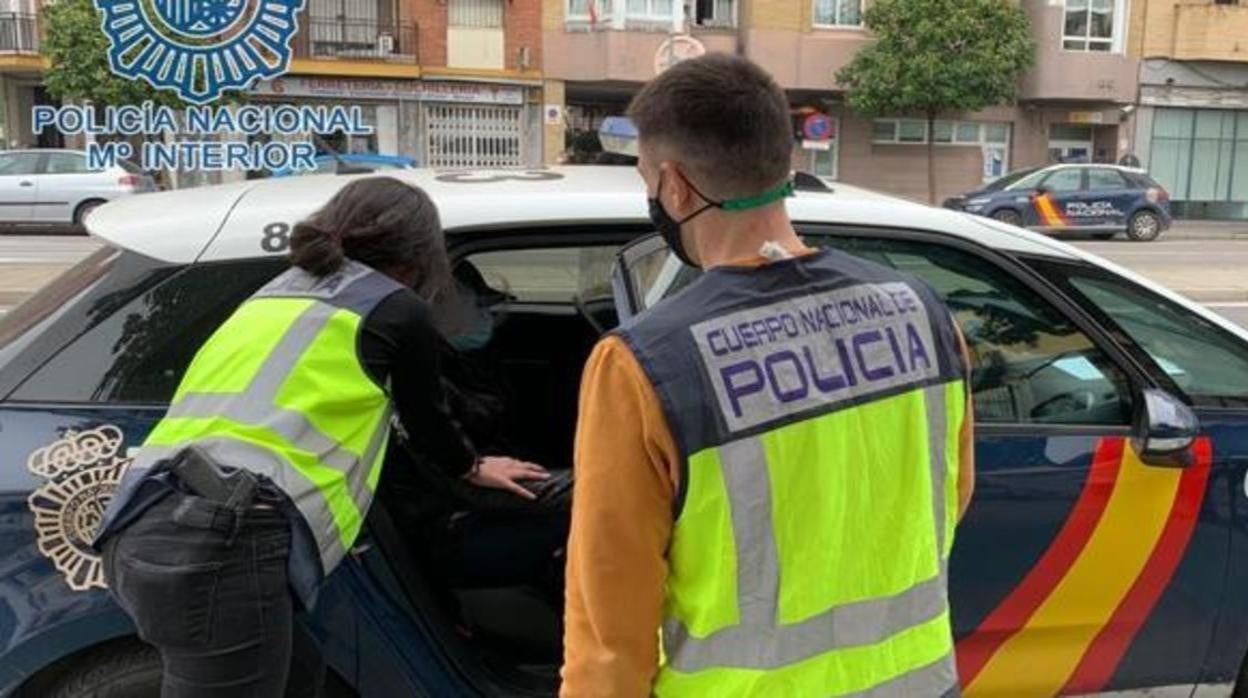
column 374, row 40
column 19, row 33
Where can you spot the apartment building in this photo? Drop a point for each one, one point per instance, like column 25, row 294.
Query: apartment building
column 21, row 70
column 449, row 82
column 1191, row 128
column 1074, row 105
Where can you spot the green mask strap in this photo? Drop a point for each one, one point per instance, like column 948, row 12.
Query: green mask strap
column 776, row 193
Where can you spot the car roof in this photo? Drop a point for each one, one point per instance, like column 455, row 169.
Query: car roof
column 228, row 221
column 1104, row 165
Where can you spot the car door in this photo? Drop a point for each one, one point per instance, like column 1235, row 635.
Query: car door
column 1107, row 199
column 1056, row 201
column 19, row 185
column 1071, row 539
column 64, row 182
column 1208, row 365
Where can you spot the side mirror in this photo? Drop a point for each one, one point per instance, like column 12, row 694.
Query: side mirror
column 1165, row 429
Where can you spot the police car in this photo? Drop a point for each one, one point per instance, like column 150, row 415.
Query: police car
column 1106, row 550
column 1103, row 200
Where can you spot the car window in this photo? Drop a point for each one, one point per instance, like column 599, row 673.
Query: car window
column 19, row 163
column 1030, row 181
column 1101, row 179
column 139, row 352
column 1207, row 362
column 551, row 275
column 1065, row 180
column 66, row 163
column 1030, row 363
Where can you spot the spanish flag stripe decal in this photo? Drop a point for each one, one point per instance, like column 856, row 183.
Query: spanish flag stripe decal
column 1098, row 665
column 1047, row 210
column 975, row 650
column 1066, row 627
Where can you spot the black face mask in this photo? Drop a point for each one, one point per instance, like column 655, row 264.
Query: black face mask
column 669, row 227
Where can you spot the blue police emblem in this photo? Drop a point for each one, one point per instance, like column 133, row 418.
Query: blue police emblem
column 199, row 48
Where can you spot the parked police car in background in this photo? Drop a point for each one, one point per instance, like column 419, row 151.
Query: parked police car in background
column 1107, row 547
column 1103, row 200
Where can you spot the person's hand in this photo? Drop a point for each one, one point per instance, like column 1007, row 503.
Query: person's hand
column 503, row 473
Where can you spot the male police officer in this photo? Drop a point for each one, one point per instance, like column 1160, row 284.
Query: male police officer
column 770, row 464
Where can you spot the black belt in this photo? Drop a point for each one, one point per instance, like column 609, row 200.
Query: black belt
column 221, row 498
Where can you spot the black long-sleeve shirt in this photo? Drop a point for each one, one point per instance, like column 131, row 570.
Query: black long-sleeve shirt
column 399, row 343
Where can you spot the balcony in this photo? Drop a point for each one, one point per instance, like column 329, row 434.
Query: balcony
column 19, row 34
column 1211, row 33
column 337, row 39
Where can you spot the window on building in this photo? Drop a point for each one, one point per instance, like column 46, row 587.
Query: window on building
column 943, row 132
column 1201, row 154
column 1091, row 25
column 483, row 14
column 654, row 10
column 838, row 13
column 714, row 13
column 579, row 9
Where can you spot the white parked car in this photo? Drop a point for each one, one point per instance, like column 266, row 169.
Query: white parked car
column 55, row 187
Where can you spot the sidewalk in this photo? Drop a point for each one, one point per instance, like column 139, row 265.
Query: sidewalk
column 1208, row 230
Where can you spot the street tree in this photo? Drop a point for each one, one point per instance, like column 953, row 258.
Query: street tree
column 933, row 58
column 77, row 53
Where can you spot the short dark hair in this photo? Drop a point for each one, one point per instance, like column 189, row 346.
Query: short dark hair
column 381, row 222
column 725, row 118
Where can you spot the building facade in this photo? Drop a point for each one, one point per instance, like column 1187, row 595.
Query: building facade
column 455, row 83
column 1075, row 104
column 1191, row 128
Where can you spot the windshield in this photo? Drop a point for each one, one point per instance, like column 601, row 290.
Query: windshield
column 1029, row 181
column 1007, row 179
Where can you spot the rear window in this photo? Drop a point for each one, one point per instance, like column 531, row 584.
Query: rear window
column 17, row 327
column 138, row 353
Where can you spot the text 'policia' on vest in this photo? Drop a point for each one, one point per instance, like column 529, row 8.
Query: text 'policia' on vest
column 272, row 393
column 817, row 403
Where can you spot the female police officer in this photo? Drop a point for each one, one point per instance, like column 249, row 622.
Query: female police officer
column 257, row 481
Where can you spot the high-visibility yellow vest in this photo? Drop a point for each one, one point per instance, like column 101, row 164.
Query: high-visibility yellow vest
column 280, row 390
column 817, row 403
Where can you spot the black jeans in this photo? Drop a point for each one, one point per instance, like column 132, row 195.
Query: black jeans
column 214, row 599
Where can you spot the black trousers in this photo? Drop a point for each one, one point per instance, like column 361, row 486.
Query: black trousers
column 213, row 597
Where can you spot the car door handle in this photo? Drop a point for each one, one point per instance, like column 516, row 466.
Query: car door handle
column 26, row 183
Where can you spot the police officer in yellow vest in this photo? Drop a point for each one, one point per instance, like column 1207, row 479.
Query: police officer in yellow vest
column 257, row 481
column 770, row 463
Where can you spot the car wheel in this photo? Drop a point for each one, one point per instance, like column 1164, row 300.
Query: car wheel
column 80, row 213
column 1008, row 215
column 1145, row 226
column 128, row 669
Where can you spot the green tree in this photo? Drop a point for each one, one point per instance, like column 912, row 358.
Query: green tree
column 77, row 52
column 938, row 57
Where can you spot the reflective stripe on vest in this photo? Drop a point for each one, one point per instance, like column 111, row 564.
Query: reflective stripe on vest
column 279, row 390
column 817, row 404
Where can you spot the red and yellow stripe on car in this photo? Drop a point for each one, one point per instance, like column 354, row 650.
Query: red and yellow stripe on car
column 1067, row 625
column 1046, row 209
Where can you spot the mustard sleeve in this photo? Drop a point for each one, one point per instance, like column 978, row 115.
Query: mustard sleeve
column 626, row 466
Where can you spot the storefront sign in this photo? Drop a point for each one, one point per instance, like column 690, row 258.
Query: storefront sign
column 1086, row 117
column 415, row 90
